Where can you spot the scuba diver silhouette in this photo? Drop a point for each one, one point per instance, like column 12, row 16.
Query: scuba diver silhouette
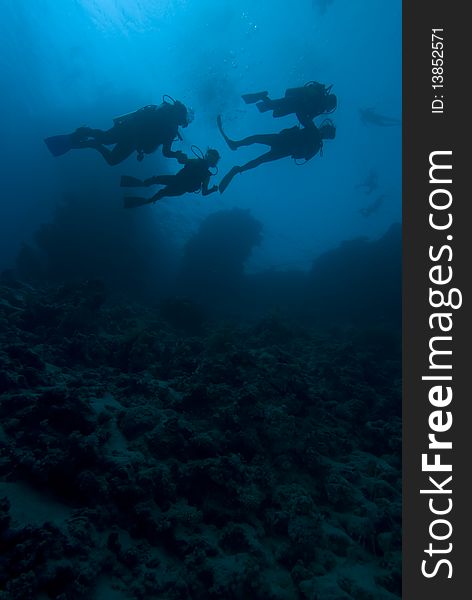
column 370, row 183
column 142, row 131
column 369, row 210
column 368, row 116
column 322, row 5
column 297, row 142
column 194, row 177
column 307, row 102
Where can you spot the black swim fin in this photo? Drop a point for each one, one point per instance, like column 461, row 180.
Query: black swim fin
column 228, row 178
column 135, row 201
column 264, row 106
column 59, row 144
column 253, row 98
column 128, row 181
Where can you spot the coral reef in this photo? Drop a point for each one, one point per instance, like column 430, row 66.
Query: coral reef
column 150, row 453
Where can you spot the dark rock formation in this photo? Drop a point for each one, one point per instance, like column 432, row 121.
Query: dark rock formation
column 212, row 268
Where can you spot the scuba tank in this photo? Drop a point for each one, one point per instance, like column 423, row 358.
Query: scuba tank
column 321, row 87
column 132, row 116
column 322, row 91
column 166, row 101
column 128, row 116
column 142, row 127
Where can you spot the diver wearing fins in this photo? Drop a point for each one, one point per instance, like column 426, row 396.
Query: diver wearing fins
column 296, row 142
column 142, row 131
column 370, row 183
column 194, row 177
column 368, row 211
column 307, row 102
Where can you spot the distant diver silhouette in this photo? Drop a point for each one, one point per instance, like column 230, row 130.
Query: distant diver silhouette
column 142, row 131
column 307, row 102
column 194, row 177
column 296, row 142
column 368, row 116
column 369, row 210
column 370, row 183
column 321, row 4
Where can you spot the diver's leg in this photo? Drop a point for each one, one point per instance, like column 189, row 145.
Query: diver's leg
column 265, row 105
column 108, row 137
column 163, row 179
column 252, row 164
column 228, row 178
column 118, row 154
column 168, row 191
column 268, row 139
column 283, row 107
column 252, row 98
column 113, row 157
column 264, row 158
column 264, row 138
column 268, row 104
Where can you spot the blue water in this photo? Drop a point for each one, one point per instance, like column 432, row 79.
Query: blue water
column 75, row 62
column 200, row 399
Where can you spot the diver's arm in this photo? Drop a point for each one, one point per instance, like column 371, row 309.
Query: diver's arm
column 305, row 118
column 167, row 150
column 169, row 153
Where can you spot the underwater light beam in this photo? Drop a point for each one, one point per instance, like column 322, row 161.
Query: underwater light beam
column 120, row 13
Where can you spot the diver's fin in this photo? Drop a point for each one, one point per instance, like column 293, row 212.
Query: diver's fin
column 224, row 183
column 253, row 98
column 232, row 145
column 264, row 106
column 135, row 201
column 59, row 144
column 128, row 181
